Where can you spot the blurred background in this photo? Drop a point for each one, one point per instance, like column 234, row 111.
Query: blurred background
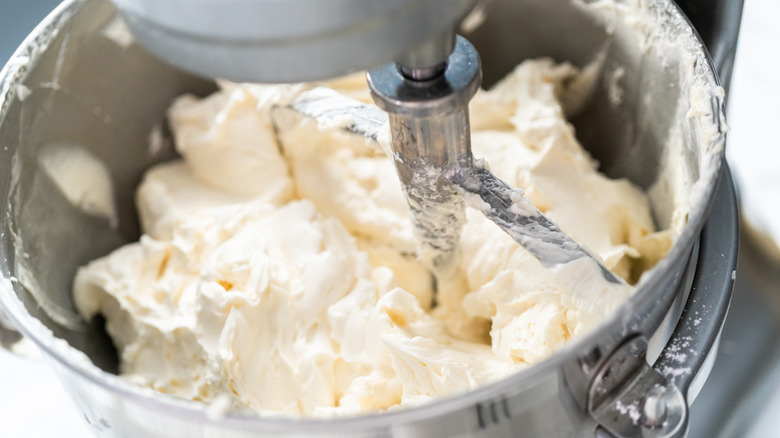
column 742, row 395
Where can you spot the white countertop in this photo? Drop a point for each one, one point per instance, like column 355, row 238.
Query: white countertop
column 754, row 155
column 34, row 404
column 754, row 115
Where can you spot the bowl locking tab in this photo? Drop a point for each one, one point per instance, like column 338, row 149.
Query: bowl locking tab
column 629, row 398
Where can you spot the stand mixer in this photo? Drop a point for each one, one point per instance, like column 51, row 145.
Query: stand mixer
column 425, row 91
column 313, row 39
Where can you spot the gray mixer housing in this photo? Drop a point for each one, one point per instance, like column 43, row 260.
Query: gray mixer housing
column 293, row 40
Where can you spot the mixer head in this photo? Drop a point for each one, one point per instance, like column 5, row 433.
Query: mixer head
column 295, row 40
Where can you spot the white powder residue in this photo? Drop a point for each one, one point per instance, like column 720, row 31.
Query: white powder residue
column 632, row 410
column 22, row 92
column 614, row 90
column 670, row 371
column 117, row 31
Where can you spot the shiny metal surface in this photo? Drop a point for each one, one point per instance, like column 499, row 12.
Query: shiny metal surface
column 110, row 117
column 629, row 398
column 519, row 218
column 428, row 59
column 293, row 40
column 429, row 128
column 431, row 145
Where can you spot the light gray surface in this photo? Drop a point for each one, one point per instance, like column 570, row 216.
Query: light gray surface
column 754, row 144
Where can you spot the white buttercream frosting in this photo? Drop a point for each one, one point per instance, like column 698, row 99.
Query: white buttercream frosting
column 277, row 269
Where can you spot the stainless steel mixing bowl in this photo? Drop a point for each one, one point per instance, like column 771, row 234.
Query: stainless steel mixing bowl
column 80, row 82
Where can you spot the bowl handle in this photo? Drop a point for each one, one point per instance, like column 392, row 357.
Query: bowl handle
column 717, row 22
column 629, row 397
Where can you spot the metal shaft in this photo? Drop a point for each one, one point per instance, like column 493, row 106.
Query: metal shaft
column 423, row 147
column 430, row 133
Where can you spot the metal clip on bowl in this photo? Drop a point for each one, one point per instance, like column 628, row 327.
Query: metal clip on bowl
column 629, row 397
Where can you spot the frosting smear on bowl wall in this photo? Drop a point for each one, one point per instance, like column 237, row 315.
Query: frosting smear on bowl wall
column 277, row 268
